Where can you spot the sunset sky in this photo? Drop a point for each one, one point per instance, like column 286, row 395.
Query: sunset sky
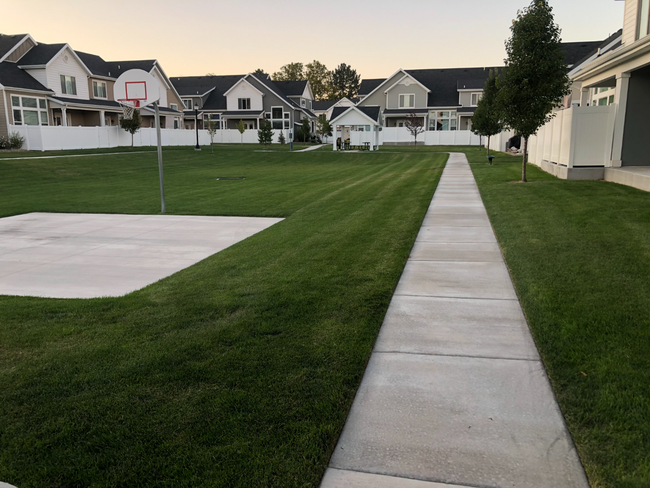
column 376, row 37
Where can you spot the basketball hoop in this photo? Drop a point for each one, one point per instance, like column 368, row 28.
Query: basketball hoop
column 128, row 107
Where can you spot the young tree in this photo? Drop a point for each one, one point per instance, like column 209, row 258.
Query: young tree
column 290, row 72
column 487, row 119
column 265, row 133
column 260, row 73
column 132, row 125
column 211, row 127
column 281, row 139
column 320, row 79
column 345, row 82
column 241, row 127
column 323, row 127
column 415, row 125
column 536, row 77
column 305, row 130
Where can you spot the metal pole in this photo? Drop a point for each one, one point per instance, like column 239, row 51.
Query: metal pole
column 196, row 126
column 160, row 162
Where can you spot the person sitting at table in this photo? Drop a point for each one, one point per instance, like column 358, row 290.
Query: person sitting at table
column 338, row 144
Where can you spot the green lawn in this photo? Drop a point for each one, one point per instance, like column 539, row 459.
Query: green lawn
column 579, row 255
column 236, row 372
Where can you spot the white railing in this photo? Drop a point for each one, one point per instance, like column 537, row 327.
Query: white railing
column 46, row 138
column 577, row 136
column 401, row 135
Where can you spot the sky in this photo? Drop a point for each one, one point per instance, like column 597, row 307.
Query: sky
column 376, row 37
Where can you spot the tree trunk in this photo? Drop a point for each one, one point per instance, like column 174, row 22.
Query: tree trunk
column 488, row 146
column 131, row 139
column 523, row 168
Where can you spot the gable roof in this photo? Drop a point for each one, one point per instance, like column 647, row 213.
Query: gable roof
column 575, row 51
column 323, row 104
column 371, row 113
column 368, row 86
column 11, row 76
column 291, row 88
column 201, row 85
column 616, row 38
column 271, row 85
column 95, row 64
column 444, row 83
column 9, row 42
column 41, row 55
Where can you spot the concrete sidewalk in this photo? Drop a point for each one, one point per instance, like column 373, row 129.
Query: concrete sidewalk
column 455, row 394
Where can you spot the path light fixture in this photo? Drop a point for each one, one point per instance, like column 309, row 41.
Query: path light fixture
column 196, row 126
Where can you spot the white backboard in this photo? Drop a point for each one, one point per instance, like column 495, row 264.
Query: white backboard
column 136, row 88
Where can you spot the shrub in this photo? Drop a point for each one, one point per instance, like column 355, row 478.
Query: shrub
column 281, row 138
column 4, row 142
column 16, row 141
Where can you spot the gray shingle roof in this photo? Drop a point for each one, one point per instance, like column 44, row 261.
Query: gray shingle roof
column 369, row 85
column 11, row 76
column 602, row 45
column 291, row 88
column 444, row 83
column 372, row 112
column 8, row 42
column 95, row 64
column 95, row 102
column 323, row 104
column 405, row 111
column 190, row 85
column 40, row 55
column 575, row 51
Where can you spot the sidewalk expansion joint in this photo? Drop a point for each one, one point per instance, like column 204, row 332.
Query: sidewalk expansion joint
column 455, row 356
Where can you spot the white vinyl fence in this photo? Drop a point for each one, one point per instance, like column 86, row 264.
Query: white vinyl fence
column 401, row 135
column 577, row 136
column 46, row 138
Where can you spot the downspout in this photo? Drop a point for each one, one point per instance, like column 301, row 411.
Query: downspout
column 4, row 97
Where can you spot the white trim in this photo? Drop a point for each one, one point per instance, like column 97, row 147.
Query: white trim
column 243, row 80
column 402, row 79
column 105, row 89
column 374, row 122
column 281, row 97
column 383, row 83
column 18, row 44
column 399, row 100
column 4, row 95
column 73, row 53
column 169, row 81
column 27, row 90
column 73, row 105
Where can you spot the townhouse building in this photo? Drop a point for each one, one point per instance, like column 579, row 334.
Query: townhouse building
column 54, row 85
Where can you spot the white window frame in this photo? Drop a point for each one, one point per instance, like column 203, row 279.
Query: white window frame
column 402, row 98
column 64, row 85
column 96, row 84
column 173, row 106
column 241, row 102
column 644, row 10
column 434, row 117
column 185, row 100
column 276, row 120
column 21, row 108
column 478, row 96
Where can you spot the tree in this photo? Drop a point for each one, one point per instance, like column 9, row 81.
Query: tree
column 320, row 79
column 305, row 130
column 536, row 77
column 211, row 126
column 415, row 126
column 265, row 133
column 132, row 125
column 290, row 72
column 260, row 73
column 345, row 82
column 487, row 119
column 323, row 127
column 210, row 74
column 241, row 127
column 281, row 139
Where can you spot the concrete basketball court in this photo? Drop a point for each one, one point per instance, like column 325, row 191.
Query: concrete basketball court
column 107, row 255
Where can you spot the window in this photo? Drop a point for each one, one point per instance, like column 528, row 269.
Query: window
column 611, row 99
column 303, row 103
column 407, row 101
column 68, row 85
column 476, row 97
column 29, row 111
column 173, row 106
column 277, row 116
column 286, row 124
column 443, row 121
column 244, row 103
column 188, row 104
column 644, row 19
column 99, row 89
column 277, row 112
column 286, row 116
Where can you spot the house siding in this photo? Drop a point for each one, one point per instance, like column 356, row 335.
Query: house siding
column 110, row 86
column 421, row 95
column 39, row 75
column 630, row 21
column 378, row 98
column 25, row 46
column 466, row 98
column 70, row 68
column 163, row 87
column 4, row 129
column 243, row 90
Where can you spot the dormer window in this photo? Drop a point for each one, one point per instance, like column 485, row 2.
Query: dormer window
column 644, row 19
column 303, row 103
column 476, row 97
column 68, row 85
column 407, row 100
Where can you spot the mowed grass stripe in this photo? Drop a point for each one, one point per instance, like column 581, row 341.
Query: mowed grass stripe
column 238, row 371
column 579, row 255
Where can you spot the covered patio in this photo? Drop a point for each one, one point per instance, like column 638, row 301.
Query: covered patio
column 356, row 128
